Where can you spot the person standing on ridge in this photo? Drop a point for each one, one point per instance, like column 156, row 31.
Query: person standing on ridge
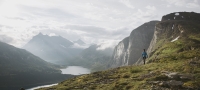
column 144, row 55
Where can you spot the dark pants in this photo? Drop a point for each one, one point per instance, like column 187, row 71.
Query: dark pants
column 144, row 58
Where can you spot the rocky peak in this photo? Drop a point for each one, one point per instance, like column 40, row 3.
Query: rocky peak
column 182, row 16
column 80, row 42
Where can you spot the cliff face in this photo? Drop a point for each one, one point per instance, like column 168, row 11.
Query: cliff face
column 182, row 16
column 129, row 50
column 183, row 28
column 120, row 55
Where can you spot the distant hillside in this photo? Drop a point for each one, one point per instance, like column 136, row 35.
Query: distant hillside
column 54, row 49
column 19, row 68
column 173, row 63
column 93, row 58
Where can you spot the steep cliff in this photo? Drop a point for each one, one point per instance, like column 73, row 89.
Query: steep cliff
column 183, row 28
column 129, row 50
column 120, row 55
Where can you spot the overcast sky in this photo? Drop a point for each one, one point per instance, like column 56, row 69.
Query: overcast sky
column 93, row 21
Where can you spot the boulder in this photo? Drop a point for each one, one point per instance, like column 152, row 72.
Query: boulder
column 175, row 83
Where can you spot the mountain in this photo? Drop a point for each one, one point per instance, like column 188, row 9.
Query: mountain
column 54, row 49
column 93, row 58
column 129, row 50
column 173, row 63
column 19, row 68
column 80, row 42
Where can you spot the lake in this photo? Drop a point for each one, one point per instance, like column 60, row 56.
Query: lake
column 74, row 70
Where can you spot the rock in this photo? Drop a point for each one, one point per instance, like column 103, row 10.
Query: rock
column 111, row 79
column 173, row 75
column 175, row 83
column 76, row 87
column 154, row 82
column 163, row 83
column 186, row 76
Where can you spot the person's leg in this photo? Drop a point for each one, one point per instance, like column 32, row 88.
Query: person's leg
column 144, row 60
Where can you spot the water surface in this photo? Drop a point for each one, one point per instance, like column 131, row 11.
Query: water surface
column 75, row 70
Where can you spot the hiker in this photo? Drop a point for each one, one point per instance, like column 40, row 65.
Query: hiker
column 144, row 55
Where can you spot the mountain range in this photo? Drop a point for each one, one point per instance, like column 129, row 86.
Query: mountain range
column 20, row 68
column 173, row 62
column 54, row 49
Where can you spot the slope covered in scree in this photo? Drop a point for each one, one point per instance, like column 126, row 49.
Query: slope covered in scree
column 174, row 63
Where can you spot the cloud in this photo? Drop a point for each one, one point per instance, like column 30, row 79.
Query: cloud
column 94, row 21
column 89, row 29
column 16, row 18
column 107, row 44
column 184, row 3
column 127, row 3
column 80, row 46
column 52, row 34
column 5, row 38
column 192, row 5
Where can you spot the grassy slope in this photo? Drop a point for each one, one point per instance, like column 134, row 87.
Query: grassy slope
column 167, row 56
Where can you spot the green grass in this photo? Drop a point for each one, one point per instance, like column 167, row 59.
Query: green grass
column 131, row 77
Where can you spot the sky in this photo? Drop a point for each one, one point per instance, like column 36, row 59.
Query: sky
column 103, row 22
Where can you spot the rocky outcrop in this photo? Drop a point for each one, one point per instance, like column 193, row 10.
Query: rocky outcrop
column 181, row 16
column 120, row 55
column 129, row 50
column 171, row 28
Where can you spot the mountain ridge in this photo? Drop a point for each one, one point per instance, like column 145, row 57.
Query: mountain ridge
column 54, row 49
column 19, row 68
column 173, row 63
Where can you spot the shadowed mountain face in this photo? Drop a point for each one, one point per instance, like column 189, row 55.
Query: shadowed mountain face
column 19, row 68
column 129, row 50
column 54, row 49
